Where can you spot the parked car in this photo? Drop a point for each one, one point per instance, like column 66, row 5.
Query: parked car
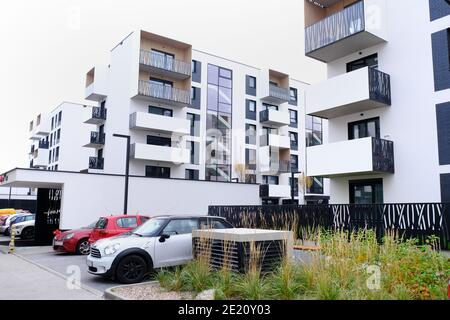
column 24, row 226
column 160, row 242
column 5, row 228
column 74, row 241
column 111, row 226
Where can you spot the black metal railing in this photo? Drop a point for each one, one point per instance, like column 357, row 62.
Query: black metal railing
column 380, row 86
column 159, row 91
column 335, row 27
column 44, row 144
column 97, row 138
column 411, row 220
column 99, row 113
column 279, row 93
column 165, row 62
column 383, row 156
column 96, row 163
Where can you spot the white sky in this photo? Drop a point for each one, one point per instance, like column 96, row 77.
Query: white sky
column 47, row 46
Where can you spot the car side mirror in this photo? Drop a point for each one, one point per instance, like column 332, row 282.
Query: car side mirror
column 164, row 237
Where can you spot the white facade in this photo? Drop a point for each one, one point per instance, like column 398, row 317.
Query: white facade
column 123, row 89
column 409, row 120
column 57, row 139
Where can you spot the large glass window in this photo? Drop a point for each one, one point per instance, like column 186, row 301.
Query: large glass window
column 160, row 111
column 192, row 174
column 294, row 140
column 364, row 129
column 314, row 131
column 294, row 163
column 294, row 118
column 194, row 120
column 366, row 192
column 219, row 124
column 250, row 159
column 273, row 180
column 157, row 172
column 250, row 134
column 314, row 185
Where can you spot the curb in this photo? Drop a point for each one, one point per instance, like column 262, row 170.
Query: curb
column 110, row 295
column 60, row 275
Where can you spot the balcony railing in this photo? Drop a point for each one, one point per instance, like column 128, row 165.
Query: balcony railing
column 379, row 86
column 99, row 113
column 383, row 155
column 96, row 163
column 335, row 27
column 44, row 145
column 281, row 166
column 149, row 89
column 97, row 138
column 279, row 93
column 164, row 62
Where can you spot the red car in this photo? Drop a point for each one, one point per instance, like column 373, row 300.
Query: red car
column 73, row 241
column 107, row 227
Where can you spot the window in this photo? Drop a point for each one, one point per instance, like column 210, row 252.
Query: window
column 294, row 119
column 163, row 59
column 250, row 85
column 295, row 186
column 314, row 186
column 159, row 141
column 193, row 97
column 101, row 223
column 272, row 180
column 50, row 157
column 366, row 192
column 369, row 61
column 194, row 66
column 250, row 159
column 192, row 174
column 160, row 111
column 364, row 129
column 266, row 131
column 293, row 96
column 294, row 140
column 445, row 188
column 194, row 152
column 443, row 129
column 127, row 222
column 294, row 163
column 250, row 112
column 157, row 172
column 53, row 122
column 313, row 131
column 269, row 107
column 57, row 154
column 58, row 136
column 194, row 120
column 439, row 9
column 180, row 226
column 56, row 167
column 250, row 178
column 59, row 118
column 250, row 134
column 219, row 124
column 441, row 59
column 196, row 71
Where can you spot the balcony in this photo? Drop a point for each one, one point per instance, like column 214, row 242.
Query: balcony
column 157, row 93
column 96, row 84
column 275, row 167
column 98, row 116
column 354, row 92
column 41, row 130
column 96, row 163
column 274, row 118
column 354, row 157
column 40, row 159
column 276, row 141
column 274, row 191
column 164, row 66
column 157, row 123
column 96, row 141
column 355, row 28
column 172, row 155
column 277, row 95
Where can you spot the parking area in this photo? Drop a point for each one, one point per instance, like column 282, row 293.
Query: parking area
column 67, row 265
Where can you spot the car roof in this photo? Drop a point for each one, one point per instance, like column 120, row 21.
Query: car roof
column 186, row 217
column 123, row 216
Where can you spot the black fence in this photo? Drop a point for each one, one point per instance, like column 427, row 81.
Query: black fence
column 414, row 220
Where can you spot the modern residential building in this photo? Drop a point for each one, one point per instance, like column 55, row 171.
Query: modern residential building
column 58, row 138
column 196, row 116
column 387, row 99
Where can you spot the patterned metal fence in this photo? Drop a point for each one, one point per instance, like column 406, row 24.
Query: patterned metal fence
column 413, row 220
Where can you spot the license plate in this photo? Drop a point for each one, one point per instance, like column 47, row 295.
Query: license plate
column 59, row 243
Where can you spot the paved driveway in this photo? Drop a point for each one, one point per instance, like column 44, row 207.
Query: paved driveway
column 65, row 264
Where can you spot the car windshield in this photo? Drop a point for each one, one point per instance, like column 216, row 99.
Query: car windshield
column 149, row 228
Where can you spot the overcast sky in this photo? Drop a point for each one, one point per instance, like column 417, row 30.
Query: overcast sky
column 48, row 46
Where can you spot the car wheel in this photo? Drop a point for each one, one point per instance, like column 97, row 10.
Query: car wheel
column 83, row 247
column 27, row 233
column 131, row 269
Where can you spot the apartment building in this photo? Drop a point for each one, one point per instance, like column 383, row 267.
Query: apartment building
column 197, row 116
column 386, row 99
column 58, row 139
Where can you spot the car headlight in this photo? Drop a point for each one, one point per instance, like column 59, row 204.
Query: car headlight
column 68, row 236
column 111, row 249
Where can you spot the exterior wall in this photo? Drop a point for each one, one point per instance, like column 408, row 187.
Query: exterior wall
column 411, row 120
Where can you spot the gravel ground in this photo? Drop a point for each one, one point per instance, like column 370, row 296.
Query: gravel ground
column 151, row 291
